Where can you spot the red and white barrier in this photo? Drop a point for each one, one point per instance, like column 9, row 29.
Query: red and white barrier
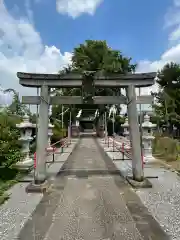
column 52, row 149
column 124, row 146
column 35, row 160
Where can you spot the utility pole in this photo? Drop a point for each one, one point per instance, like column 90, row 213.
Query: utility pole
column 166, row 112
column 105, row 121
column 37, row 117
column 113, row 121
column 62, row 117
column 140, row 121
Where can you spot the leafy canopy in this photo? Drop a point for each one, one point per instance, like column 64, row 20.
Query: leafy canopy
column 96, row 56
column 168, row 96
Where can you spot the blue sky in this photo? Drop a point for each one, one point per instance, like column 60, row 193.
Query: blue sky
column 136, row 29
column 39, row 35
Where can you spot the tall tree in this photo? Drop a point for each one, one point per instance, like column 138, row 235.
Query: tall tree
column 97, row 56
column 168, row 96
column 16, row 107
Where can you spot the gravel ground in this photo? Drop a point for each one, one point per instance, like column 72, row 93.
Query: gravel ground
column 15, row 212
column 163, row 200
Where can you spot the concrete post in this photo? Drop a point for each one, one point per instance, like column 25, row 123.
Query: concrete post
column 105, row 123
column 42, row 136
column 137, row 166
column 70, row 124
column 68, row 134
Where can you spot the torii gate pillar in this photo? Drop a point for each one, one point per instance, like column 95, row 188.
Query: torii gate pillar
column 42, row 136
column 137, row 165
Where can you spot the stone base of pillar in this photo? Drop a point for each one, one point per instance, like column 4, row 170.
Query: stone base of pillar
column 38, row 187
column 26, row 164
column 145, row 183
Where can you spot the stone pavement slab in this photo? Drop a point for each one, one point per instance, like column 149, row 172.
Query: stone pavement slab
column 90, row 205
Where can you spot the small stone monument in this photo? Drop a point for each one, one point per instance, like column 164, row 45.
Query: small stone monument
column 126, row 128
column 147, row 137
column 25, row 138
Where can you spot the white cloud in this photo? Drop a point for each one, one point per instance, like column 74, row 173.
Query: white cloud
column 75, row 8
column 171, row 55
column 177, row 3
column 172, row 20
column 21, row 49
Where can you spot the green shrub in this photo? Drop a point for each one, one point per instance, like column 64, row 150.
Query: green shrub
column 4, row 197
column 58, row 133
column 10, row 148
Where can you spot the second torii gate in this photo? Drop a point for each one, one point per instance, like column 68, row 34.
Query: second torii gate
column 70, row 80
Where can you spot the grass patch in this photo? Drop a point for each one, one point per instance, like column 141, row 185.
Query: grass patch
column 8, row 177
column 4, row 198
column 166, row 148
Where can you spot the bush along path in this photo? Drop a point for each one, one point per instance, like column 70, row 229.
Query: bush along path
column 9, row 177
column 10, row 152
column 167, row 150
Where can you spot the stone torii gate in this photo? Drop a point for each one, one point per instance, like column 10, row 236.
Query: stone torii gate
column 75, row 80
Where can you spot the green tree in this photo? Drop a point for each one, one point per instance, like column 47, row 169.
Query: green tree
column 16, row 107
column 9, row 145
column 98, row 57
column 167, row 108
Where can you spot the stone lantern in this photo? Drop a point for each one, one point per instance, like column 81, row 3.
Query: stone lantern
column 147, row 137
column 26, row 131
column 126, row 128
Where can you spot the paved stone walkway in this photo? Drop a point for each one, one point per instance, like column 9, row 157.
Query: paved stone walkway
column 87, row 202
